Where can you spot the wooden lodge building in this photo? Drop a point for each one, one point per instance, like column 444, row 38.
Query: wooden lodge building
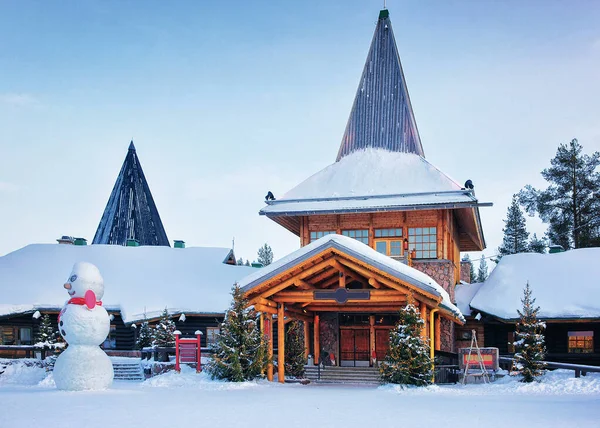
column 379, row 227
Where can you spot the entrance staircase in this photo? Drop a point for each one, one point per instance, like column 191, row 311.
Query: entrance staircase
column 128, row 369
column 334, row 374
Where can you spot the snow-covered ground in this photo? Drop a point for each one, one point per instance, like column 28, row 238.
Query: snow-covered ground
column 28, row 398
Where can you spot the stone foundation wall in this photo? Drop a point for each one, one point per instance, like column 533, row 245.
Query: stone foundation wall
column 329, row 329
column 465, row 271
column 442, row 271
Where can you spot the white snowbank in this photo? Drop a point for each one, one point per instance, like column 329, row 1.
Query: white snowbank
column 194, row 280
column 557, row 382
column 345, row 243
column 188, row 378
column 21, row 372
column 565, row 285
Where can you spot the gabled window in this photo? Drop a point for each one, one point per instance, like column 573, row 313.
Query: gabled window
column 424, row 241
column 581, row 342
column 319, row 234
column 361, row 235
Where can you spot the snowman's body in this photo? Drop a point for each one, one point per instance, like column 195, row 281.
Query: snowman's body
column 84, row 324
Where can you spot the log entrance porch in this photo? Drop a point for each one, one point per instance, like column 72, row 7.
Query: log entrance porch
column 346, row 294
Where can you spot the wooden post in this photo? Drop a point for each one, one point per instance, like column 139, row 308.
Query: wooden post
column 281, row 343
column 342, row 280
column 316, row 341
column 424, row 318
column 269, row 332
column 438, row 332
column 372, row 333
column 306, row 340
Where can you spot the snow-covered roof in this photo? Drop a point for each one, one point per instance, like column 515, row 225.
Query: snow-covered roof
column 359, row 251
column 136, row 279
column 565, row 285
column 463, row 293
column 371, row 179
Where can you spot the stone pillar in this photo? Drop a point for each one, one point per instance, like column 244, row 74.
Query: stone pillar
column 465, row 271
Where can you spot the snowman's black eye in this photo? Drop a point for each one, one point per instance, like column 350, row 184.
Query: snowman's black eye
column 73, row 278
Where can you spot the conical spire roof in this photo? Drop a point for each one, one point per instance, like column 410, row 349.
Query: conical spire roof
column 382, row 116
column 131, row 212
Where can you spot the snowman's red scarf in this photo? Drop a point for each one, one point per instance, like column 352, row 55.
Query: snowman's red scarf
column 76, row 301
column 81, row 301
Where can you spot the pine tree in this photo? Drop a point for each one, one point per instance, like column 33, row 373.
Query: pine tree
column 240, row 351
column 515, row 232
column 482, row 272
column 537, row 245
column 570, row 205
column 407, row 361
column 294, row 350
column 164, row 332
column 145, row 335
column 247, row 263
column 240, row 262
column 530, row 348
column 46, row 334
column 265, row 255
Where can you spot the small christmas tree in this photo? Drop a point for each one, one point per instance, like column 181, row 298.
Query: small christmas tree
column 240, row 351
column 145, row 335
column 294, row 350
column 529, row 347
column 407, row 361
column 164, row 336
column 46, row 335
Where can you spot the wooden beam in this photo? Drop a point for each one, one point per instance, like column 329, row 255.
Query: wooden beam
column 306, row 340
column 331, row 281
column 382, row 308
column 264, row 302
column 374, row 283
column 265, row 309
column 321, row 276
column 342, row 280
column 424, row 318
column 303, row 285
column 269, row 331
column 281, row 343
column 303, row 274
column 316, row 344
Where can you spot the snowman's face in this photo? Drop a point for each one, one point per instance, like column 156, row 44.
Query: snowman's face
column 85, row 276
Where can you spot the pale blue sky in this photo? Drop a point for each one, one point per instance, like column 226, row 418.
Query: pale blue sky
column 226, row 100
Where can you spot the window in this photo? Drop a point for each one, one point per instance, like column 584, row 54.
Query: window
column 316, row 235
column 424, row 241
column 211, row 335
column 7, row 335
column 389, row 242
column 111, row 340
column 25, row 336
column 581, row 342
column 361, row 235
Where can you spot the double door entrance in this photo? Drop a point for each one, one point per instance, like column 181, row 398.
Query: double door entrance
column 358, row 350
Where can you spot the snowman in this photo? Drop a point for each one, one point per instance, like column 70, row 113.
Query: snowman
column 84, row 324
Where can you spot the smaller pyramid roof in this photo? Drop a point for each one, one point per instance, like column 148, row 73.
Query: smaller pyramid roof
column 131, row 212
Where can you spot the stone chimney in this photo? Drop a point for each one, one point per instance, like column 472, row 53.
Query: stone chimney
column 465, row 270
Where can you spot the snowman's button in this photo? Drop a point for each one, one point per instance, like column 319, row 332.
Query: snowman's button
column 61, row 323
column 63, row 332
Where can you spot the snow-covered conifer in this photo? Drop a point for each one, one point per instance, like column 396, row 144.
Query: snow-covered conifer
column 515, row 231
column 164, row 332
column 240, row 350
column 529, row 346
column 294, row 350
column 46, row 334
column 407, row 361
column 145, row 335
column 482, row 272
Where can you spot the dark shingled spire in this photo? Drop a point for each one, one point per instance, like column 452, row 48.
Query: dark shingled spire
column 382, row 115
column 131, row 212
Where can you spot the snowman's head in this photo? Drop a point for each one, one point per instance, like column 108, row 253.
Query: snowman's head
column 85, row 276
